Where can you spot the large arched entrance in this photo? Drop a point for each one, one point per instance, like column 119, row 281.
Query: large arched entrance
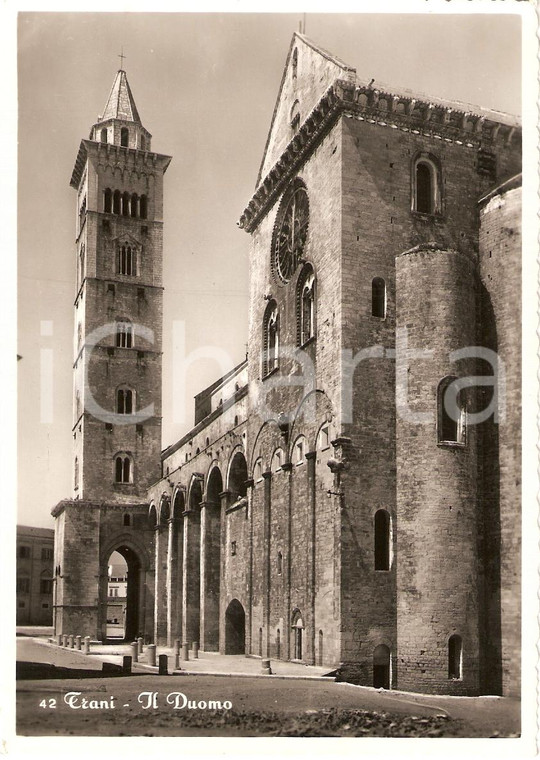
column 381, row 667
column 211, row 561
column 235, row 628
column 192, row 564
column 123, row 594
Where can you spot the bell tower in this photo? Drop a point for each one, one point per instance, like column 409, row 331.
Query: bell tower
column 116, row 371
column 118, row 306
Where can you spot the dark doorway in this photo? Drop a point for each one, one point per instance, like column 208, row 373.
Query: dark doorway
column 235, row 628
column 381, row 667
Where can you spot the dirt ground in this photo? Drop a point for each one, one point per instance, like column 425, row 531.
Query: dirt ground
column 249, row 706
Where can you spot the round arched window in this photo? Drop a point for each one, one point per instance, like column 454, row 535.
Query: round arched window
column 290, row 232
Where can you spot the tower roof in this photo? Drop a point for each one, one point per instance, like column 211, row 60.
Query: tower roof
column 121, row 104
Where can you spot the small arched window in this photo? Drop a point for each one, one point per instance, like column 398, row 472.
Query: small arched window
column 378, row 297
column 426, row 185
column 124, row 401
column 279, row 563
column 298, row 632
column 270, row 339
column 107, row 201
column 81, row 263
column 305, row 305
column 127, row 520
column 382, row 540
column 143, row 207
column 104, row 135
column 125, row 204
column 126, row 260
column 295, row 115
column 134, row 204
column 124, row 334
column 123, row 471
column 76, row 474
column 117, row 202
column 451, row 413
column 124, row 137
column 295, row 63
column 455, row 657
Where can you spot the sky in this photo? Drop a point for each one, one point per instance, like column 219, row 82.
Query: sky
column 205, row 87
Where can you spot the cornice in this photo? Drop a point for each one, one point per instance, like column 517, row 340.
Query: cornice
column 116, row 153
column 408, row 114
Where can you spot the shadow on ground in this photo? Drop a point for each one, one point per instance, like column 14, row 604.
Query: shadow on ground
column 37, row 671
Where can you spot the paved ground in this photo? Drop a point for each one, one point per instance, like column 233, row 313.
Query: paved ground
column 260, row 706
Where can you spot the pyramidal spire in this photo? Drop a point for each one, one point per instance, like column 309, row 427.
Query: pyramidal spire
column 121, row 104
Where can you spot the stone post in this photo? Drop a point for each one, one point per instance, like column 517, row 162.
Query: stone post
column 135, row 651
column 151, row 654
column 87, row 644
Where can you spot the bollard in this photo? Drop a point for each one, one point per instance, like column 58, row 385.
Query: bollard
column 185, row 651
column 266, row 669
column 151, row 654
column 126, row 664
column 87, row 644
column 177, row 646
column 64, row 640
column 163, row 665
column 195, row 649
column 135, row 651
column 59, row 639
column 177, row 661
column 140, row 644
column 70, row 640
column 78, row 640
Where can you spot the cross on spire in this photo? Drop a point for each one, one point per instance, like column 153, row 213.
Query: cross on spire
column 122, row 56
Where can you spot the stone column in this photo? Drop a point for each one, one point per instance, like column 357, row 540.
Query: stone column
column 311, row 563
column 286, row 636
column 191, row 576
column 172, row 581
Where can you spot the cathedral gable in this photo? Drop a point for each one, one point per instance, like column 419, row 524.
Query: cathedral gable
column 309, row 72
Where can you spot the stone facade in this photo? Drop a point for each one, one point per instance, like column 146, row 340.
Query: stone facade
column 35, row 571
column 326, row 507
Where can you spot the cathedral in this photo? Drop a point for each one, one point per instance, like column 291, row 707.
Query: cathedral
column 349, row 495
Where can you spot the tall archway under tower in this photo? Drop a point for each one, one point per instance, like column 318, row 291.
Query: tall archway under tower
column 211, row 561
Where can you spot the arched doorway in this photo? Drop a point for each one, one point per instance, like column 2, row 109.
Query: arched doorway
column 192, row 564
column 235, row 628
column 123, row 592
column 211, row 561
column 381, row 667
column 238, row 476
column 297, row 636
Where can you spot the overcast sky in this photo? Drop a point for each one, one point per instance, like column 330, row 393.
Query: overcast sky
column 205, row 87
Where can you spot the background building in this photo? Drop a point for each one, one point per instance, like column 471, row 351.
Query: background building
column 35, row 572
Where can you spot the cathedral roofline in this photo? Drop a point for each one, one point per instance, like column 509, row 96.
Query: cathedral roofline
column 91, row 146
column 441, row 120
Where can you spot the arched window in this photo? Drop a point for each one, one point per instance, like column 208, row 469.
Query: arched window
column 123, row 471
column 238, row 476
column 451, row 414
column 297, row 632
column 107, row 201
column 305, row 305
column 455, row 657
column 81, row 263
column 104, row 135
column 378, row 297
column 299, row 450
column 127, row 520
column 382, row 540
column 125, row 204
column 426, row 185
column 117, row 202
column 134, row 204
column 279, row 563
column 126, row 260
column 143, row 207
column 76, row 473
column 295, row 115
column 295, row 63
column 124, row 401
column 270, row 339
column 124, row 334
column 124, row 137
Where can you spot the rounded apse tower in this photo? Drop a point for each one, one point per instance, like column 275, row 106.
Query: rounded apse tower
column 437, row 508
